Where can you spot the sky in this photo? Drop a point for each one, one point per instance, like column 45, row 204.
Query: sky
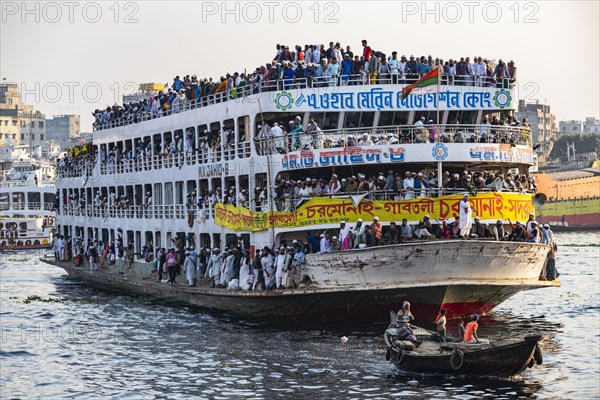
column 73, row 57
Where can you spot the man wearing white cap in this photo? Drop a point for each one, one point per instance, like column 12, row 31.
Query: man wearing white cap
column 325, row 245
column 549, row 233
column 408, row 184
column 535, row 236
column 344, row 236
column 377, row 230
column 335, row 244
column 465, row 216
column 358, row 232
column 281, row 265
column 279, row 137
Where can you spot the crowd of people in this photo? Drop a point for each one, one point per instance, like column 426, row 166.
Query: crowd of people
column 283, row 139
column 289, row 194
column 280, row 267
column 308, row 66
column 394, row 185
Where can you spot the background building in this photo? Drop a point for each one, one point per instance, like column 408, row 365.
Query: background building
column 64, row 130
column 20, row 124
column 543, row 126
column 572, row 127
column 591, row 126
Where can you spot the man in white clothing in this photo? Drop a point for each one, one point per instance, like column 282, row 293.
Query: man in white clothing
column 408, row 184
column 465, row 216
column 281, row 261
column 358, row 232
column 325, row 245
column 279, row 137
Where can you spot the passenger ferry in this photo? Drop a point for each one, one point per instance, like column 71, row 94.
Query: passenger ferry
column 232, row 169
column 27, row 218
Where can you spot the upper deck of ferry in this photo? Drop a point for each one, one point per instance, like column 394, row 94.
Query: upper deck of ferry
column 369, row 116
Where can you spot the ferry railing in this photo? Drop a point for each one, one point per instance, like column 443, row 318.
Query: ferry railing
column 145, row 114
column 385, row 135
column 289, row 204
column 286, row 204
column 336, row 138
column 25, row 183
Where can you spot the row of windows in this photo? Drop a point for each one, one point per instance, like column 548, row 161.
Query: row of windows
column 14, row 136
column 40, row 124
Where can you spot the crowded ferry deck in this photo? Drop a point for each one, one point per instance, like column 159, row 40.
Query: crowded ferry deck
column 271, row 171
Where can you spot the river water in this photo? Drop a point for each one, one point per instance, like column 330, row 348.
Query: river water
column 93, row 344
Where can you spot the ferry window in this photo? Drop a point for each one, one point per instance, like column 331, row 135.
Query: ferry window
column 3, row 201
column 179, row 192
column 18, row 201
column 33, row 200
column 461, row 117
column 429, row 116
column 326, row 121
column 168, row 193
column 202, row 134
column 244, row 128
column 359, row 119
column 49, row 198
column 389, row 118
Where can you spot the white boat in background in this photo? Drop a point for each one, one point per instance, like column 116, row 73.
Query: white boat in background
column 27, row 199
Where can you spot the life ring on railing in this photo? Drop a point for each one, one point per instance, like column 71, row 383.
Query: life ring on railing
column 461, row 355
column 537, row 355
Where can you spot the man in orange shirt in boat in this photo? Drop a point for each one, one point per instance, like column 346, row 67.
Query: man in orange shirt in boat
column 471, row 332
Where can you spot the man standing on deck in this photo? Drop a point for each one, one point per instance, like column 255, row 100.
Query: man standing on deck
column 465, row 216
column 281, row 264
column 325, row 245
column 189, row 267
column 214, row 267
column 358, row 232
column 345, row 236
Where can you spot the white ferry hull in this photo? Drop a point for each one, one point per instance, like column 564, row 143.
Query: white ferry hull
column 414, row 262
column 427, row 293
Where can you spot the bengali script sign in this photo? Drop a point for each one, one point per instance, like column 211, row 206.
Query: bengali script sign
column 389, row 97
column 322, row 210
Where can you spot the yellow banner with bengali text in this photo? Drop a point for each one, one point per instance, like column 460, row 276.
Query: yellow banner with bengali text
column 324, row 210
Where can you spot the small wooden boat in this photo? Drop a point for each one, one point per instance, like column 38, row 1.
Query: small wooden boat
column 453, row 358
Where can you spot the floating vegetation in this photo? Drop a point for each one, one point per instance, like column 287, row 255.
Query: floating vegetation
column 89, row 300
column 35, row 297
column 142, row 299
column 580, row 245
column 18, row 259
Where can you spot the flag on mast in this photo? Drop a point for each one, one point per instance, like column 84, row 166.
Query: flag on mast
column 432, row 78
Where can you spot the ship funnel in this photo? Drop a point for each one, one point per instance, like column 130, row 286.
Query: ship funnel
column 539, row 199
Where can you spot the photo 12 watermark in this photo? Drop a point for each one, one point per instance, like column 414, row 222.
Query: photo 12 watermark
column 53, row 12
column 470, row 12
column 270, row 11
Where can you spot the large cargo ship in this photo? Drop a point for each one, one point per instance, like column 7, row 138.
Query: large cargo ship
column 274, row 162
column 574, row 199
